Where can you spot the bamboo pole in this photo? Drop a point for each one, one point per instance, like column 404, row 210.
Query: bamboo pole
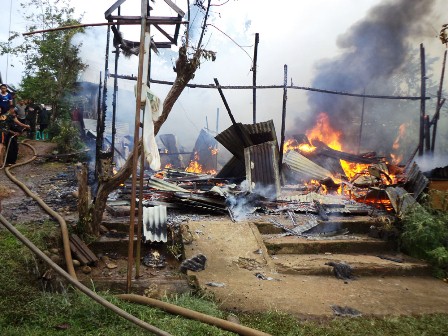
column 83, row 25
column 136, row 141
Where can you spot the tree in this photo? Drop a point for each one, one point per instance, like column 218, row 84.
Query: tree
column 189, row 60
column 52, row 63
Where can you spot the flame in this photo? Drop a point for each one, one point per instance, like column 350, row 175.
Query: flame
column 168, row 166
column 396, row 157
column 292, row 144
column 213, row 150
column 194, row 167
column 323, row 131
column 352, row 169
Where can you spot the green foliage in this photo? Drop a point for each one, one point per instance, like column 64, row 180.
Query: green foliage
column 425, row 235
column 51, row 60
column 67, row 139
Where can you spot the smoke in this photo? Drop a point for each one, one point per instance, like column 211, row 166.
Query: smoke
column 373, row 54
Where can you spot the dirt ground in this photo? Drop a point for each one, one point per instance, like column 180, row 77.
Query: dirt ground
column 235, row 255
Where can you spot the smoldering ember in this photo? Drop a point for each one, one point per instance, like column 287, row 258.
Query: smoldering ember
column 305, row 219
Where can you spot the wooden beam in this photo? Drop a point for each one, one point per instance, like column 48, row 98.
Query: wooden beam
column 112, row 8
column 164, row 33
column 175, row 8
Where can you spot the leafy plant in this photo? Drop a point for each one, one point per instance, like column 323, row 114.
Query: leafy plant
column 68, row 139
column 425, row 235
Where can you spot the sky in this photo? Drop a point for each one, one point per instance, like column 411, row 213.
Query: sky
column 299, row 34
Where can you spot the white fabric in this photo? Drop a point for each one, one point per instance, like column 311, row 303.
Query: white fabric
column 152, row 113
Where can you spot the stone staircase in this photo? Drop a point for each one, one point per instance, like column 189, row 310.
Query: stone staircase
column 367, row 256
column 110, row 272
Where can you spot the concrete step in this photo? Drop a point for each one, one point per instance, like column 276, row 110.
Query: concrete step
column 354, row 224
column 277, row 244
column 363, row 265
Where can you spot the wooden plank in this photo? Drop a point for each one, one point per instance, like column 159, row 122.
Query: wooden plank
column 175, row 8
column 78, row 254
column 150, row 20
column 164, row 33
column 112, row 8
column 81, row 250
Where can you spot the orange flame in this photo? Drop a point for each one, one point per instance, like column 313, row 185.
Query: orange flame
column 194, row 167
column 213, row 150
column 168, row 166
column 396, row 157
column 323, row 131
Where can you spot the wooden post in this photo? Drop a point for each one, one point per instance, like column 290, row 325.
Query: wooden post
column 422, row 100
column 254, row 79
column 439, row 104
column 98, row 143
column 282, row 137
column 362, row 122
column 427, row 134
column 145, row 77
column 136, row 141
column 114, row 96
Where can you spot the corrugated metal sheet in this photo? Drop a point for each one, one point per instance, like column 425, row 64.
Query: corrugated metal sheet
column 416, row 182
column 154, row 223
column 400, row 199
column 232, row 169
column 253, row 134
column 312, row 196
column 202, row 151
column 262, row 167
column 160, row 184
column 306, row 168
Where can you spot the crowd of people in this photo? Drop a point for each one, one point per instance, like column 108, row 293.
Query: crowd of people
column 18, row 116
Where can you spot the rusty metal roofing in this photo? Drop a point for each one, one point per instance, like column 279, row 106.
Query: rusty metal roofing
column 400, row 199
column 253, row 134
column 262, row 169
column 160, row 184
column 416, row 182
column 154, row 223
column 306, row 168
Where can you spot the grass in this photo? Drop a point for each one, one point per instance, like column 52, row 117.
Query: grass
column 27, row 310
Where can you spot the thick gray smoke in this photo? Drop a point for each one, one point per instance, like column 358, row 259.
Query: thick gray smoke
column 374, row 53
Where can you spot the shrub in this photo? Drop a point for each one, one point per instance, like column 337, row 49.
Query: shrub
column 67, row 137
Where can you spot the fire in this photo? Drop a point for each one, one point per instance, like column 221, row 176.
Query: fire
column 323, row 131
column 213, row 150
column 396, row 157
column 168, row 166
column 351, row 169
column 292, row 144
column 194, row 167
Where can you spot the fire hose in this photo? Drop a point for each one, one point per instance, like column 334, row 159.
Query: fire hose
column 72, row 279
column 7, row 150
